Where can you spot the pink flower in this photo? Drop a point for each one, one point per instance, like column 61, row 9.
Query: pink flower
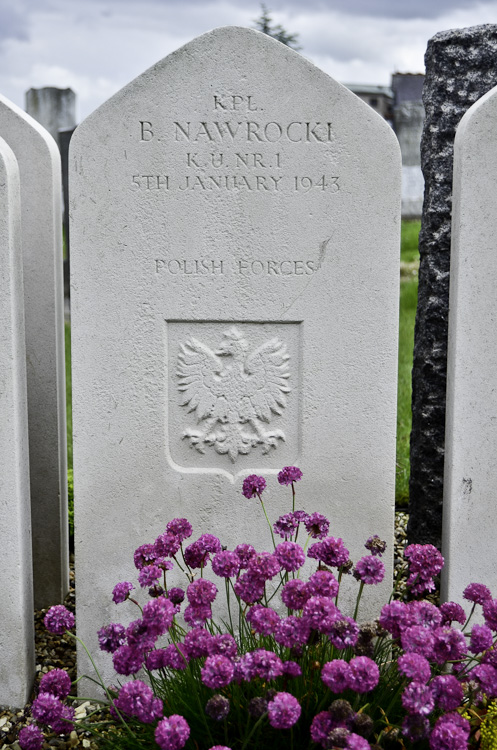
column 253, row 485
column 283, row 711
column 217, row 671
column 172, row 733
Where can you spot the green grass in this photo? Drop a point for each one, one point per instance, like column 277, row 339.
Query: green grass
column 409, row 241
column 408, row 301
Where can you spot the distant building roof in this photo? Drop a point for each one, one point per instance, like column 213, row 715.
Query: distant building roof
column 370, row 90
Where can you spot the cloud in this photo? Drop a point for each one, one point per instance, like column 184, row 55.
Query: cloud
column 13, row 23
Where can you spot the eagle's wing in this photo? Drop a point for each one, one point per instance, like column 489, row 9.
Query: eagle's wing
column 267, row 382
column 199, row 372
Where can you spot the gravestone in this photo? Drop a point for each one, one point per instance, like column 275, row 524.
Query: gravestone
column 220, row 211
column 41, row 227
column 17, row 658
column 53, row 108
column 460, row 68
column 469, row 527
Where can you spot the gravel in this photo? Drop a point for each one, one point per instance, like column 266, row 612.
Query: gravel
column 53, row 651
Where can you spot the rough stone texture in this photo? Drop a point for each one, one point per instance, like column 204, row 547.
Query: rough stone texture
column 16, row 611
column 195, row 242
column 53, row 108
column 461, row 66
column 41, row 225
column 469, row 521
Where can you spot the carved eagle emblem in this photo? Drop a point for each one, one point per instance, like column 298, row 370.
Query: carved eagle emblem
column 233, row 391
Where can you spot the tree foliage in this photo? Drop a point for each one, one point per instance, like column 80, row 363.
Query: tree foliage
column 265, row 24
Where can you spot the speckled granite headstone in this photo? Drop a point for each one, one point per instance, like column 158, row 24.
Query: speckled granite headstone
column 469, row 529
column 235, row 260
column 41, row 230
column 461, row 66
column 17, row 659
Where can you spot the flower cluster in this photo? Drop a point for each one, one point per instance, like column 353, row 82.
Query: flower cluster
column 290, row 650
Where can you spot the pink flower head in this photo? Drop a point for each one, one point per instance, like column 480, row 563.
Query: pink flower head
column 261, row 663
column 167, row 544
column 245, row 553
column 452, row 612
column 364, row 674
column 283, row 711
column 320, row 612
column 477, row 593
column 31, row 738
column 375, row 545
column 58, row 619
column 343, row 632
column 217, row 671
column 425, row 562
column 330, row 551
column 46, row 708
column 290, row 555
column 490, row 613
column 295, row 593
column 148, row 576
column 321, row 726
column 201, row 591
column 425, row 613
column 323, row 583
column 197, row 642
column 286, row 525
column 481, row 639
column 172, row 733
column 447, row 691
column 396, row 617
column 419, row 640
column 317, row 525
column 137, row 699
column 292, row 631
column 197, row 615
column 369, row 570
column 264, row 620
column 336, row 675
column 121, row 591
column 264, row 565
column 249, row 588
column 180, row 527
column 226, row 564
column 158, row 615
column 417, row 698
column 223, row 644
column 253, row 485
column 57, row 682
column 414, row 667
column 449, row 644
column 289, row 474
column 127, row 659
column 144, row 555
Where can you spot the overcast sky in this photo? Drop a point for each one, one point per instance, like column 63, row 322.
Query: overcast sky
column 97, row 46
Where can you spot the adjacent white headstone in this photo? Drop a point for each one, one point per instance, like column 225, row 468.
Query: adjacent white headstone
column 233, row 204
column 470, row 484
column 39, row 167
column 17, row 659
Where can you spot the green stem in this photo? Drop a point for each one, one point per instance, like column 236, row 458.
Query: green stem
column 256, row 725
column 101, row 682
column 358, row 600
column 267, row 519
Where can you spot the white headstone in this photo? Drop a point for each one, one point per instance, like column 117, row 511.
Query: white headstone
column 17, row 659
column 39, row 167
column 232, row 197
column 470, row 483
